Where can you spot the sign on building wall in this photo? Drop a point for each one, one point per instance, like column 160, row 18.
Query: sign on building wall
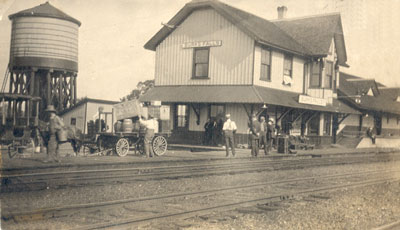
column 199, row 44
column 312, row 100
column 164, row 113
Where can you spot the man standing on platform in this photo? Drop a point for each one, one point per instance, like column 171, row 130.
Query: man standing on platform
column 148, row 136
column 270, row 134
column 254, row 135
column 229, row 130
column 263, row 134
column 55, row 125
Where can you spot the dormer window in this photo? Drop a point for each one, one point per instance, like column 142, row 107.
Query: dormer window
column 315, row 78
column 200, row 63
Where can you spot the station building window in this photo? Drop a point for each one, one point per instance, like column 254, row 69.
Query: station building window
column 201, row 63
column 265, row 74
column 287, row 69
column 182, row 115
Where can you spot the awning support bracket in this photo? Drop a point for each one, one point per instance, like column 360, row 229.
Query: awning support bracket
column 197, row 112
column 342, row 118
column 299, row 116
column 284, row 114
column 247, row 111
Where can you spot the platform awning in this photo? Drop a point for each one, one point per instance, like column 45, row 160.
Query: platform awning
column 237, row 94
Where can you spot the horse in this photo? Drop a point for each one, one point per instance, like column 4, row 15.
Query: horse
column 74, row 136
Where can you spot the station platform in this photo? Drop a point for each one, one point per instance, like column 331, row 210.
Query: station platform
column 175, row 153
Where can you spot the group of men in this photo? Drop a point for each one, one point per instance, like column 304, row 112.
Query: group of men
column 262, row 133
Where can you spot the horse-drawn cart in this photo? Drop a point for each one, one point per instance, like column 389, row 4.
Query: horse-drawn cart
column 122, row 139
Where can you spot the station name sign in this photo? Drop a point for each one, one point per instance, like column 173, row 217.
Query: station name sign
column 303, row 99
column 200, row 44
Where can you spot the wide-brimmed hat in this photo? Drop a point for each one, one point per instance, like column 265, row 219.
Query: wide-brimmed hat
column 50, row 108
column 272, row 119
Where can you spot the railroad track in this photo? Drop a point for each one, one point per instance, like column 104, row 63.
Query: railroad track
column 26, row 182
column 282, row 190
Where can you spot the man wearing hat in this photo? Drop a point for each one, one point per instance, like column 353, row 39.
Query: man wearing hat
column 255, row 129
column 55, row 124
column 229, row 130
column 270, row 134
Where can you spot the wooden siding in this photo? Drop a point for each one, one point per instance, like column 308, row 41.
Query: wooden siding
column 277, row 72
column 44, row 37
column 229, row 64
column 79, row 114
column 89, row 110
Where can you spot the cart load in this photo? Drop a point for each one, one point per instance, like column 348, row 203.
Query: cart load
column 127, row 133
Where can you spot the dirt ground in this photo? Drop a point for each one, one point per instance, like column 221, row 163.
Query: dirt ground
column 361, row 208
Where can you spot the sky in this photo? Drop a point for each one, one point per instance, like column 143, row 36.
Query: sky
column 112, row 59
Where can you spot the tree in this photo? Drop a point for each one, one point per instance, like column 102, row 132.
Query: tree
column 141, row 88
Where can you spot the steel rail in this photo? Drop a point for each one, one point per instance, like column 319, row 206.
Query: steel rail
column 192, row 171
column 52, row 212
column 229, row 206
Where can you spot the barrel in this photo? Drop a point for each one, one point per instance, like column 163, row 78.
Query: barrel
column 117, row 126
column 127, row 125
column 62, row 135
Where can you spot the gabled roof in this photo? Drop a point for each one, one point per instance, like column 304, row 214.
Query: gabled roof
column 350, row 86
column 316, row 33
column 257, row 28
column 353, row 85
column 44, row 10
column 391, row 93
column 312, row 38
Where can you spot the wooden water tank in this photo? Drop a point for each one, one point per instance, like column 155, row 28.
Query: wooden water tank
column 44, row 37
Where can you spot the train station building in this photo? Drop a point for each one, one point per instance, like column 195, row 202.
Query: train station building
column 212, row 59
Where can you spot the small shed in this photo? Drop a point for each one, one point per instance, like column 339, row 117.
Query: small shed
column 85, row 111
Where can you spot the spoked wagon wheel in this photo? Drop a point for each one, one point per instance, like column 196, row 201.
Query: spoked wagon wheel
column 122, row 147
column 12, row 150
column 159, row 145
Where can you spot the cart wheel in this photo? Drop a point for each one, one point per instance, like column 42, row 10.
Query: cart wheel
column 159, row 145
column 12, row 150
column 122, row 147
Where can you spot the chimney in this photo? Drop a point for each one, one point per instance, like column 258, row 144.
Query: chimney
column 282, row 10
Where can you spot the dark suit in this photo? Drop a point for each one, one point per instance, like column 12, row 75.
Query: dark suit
column 263, row 136
column 270, row 136
column 255, row 129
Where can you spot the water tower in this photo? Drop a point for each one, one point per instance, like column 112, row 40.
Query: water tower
column 44, row 56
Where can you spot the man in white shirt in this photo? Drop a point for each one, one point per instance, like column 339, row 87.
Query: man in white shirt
column 229, row 129
column 148, row 136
